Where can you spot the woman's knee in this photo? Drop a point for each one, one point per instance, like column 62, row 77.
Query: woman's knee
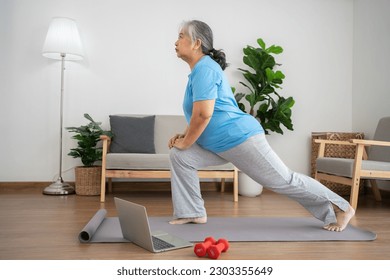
column 174, row 155
column 178, row 157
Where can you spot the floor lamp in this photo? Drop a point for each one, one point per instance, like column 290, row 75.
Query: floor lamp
column 62, row 43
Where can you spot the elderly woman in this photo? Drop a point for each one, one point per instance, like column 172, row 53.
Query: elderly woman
column 219, row 132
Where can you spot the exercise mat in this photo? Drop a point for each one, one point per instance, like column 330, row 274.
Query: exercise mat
column 244, row 229
column 102, row 229
column 261, row 229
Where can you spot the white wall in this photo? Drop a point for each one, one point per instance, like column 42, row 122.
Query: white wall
column 371, row 91
column 131, row 67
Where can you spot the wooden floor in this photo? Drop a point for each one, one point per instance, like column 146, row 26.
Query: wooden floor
column 36, row 226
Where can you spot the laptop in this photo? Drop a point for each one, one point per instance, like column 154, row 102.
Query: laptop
column 135, row 228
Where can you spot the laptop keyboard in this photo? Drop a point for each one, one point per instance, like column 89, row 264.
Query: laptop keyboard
column 160, row 244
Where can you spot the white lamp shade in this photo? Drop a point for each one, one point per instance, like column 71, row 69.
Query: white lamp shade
column 63, row 38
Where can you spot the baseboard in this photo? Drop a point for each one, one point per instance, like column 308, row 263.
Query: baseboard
column 39, row 186
column 118, row 186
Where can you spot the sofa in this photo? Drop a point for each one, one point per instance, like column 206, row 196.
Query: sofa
column 139, row 150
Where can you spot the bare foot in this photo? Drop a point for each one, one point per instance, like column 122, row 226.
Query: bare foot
column 180, row 221
column 343, row 219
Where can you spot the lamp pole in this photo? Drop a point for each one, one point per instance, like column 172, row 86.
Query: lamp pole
column 59, row 187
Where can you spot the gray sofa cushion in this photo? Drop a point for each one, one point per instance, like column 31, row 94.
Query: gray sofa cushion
column 336, row 166
column 344, row 167
column 132, row 134
column 137, row 161
column 148, row 162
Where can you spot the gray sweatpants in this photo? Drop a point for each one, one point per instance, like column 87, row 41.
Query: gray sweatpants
column 255, row 158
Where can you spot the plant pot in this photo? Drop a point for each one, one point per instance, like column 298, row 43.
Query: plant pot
column 88, row 180
column 247, row 186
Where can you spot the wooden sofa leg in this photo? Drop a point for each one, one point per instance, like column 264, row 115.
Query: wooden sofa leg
column 354, row 192
column 109, row 185
column 222, row 184
column 103, row 190
column 235, row 185
column 375, row 190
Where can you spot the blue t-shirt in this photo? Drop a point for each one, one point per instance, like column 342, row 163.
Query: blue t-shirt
column 229, row 126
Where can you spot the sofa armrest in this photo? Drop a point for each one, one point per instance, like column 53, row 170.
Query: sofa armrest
column 106, row 143
column 105, row 137
column 370, row 142
column 106, row 146
column 334, row 142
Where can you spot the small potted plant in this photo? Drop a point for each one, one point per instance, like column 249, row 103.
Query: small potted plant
column 87, row 136
column 271, row 109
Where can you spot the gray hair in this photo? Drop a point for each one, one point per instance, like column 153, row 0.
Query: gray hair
column 199, row 30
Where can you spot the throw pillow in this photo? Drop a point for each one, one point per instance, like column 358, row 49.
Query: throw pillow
column 132, row 134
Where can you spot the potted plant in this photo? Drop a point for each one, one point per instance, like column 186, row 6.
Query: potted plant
column 87, row 136
column 263, row 81
column 271, row 109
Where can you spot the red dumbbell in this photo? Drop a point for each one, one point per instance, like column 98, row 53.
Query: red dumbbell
column 214, row 251
column 200, row 249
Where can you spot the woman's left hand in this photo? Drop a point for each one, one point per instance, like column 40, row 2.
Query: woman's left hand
column 201, row 114
column 180, row 144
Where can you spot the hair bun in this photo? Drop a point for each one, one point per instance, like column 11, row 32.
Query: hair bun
column 219, row 57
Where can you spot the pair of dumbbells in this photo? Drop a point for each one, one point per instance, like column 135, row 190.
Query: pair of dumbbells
column 211, row 247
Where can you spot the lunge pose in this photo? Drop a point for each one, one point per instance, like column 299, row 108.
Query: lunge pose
column 219, row 132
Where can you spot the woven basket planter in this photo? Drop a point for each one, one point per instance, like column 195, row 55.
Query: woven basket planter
column 88, row 180
column 339, row 151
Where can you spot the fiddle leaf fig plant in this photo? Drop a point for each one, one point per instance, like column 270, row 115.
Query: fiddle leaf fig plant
column 263, row 82
column 87, row 137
